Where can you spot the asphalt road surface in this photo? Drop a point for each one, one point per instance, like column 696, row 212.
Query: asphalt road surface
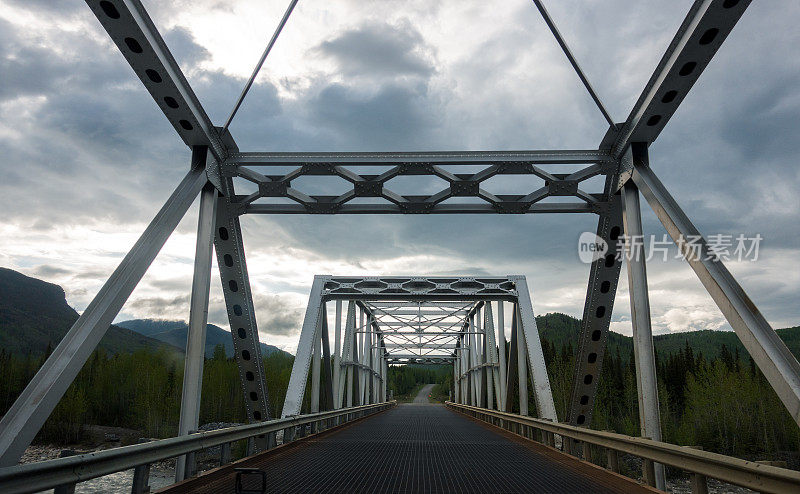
column 422, row 396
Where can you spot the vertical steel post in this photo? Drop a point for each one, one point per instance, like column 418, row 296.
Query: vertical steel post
column 545, row 406
column 198, row 319
column 512, row 375
column 356, row 360
column 482, row 371
column 337, row 359
column 456, row 363
column 465, row 397
column 643, row 351
column 493, row 379
column 346, row 380
column 302, row 361
column 316, row 364
column 26, row 416
column 473, row 362
column 327, row 391
column 363, row 383
column 522, row 366
column 502, row 349
column 488, row 353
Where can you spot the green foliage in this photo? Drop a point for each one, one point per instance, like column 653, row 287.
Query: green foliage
column 405, row 378
column 140, row 390
column 710, row 393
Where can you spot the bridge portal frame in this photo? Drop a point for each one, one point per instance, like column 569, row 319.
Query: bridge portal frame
column 455, row 320
column 621, row 158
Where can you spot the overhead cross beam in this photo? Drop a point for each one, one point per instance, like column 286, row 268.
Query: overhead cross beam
column 441, row 323
column 376, row 189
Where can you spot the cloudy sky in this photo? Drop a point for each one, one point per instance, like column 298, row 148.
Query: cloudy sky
column 89, row 159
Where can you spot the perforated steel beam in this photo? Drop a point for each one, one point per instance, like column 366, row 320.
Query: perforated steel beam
column 26, row 416
column 132, row 30
column 229, row 247
column 602, row 289
column 699, row 37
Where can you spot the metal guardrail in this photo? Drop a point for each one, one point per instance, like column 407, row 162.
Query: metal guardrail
column 702, row 464
column 48, row 474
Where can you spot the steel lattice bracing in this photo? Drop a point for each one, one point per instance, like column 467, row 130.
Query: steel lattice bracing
column 394, row 320
column 371, row 193
column 421, row 320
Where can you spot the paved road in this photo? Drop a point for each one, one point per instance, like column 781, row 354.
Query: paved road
column 418, row 449
column 422, row 396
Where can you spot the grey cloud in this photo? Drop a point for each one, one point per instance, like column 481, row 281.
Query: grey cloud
column 277, row 316
column 49, row 271
column 98, row 149
column 184, row 48
column 380, row 49
column 165, row 307
column 394, row 117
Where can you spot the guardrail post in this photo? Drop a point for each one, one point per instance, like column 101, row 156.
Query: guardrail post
column 191, row 462
column 141, row 475
column 141, row 479
column 613, row 460
column 251, row 447
column 649, row 472
column 224, row 454
column 66, row 488
column 699, row 481
column 587, row 451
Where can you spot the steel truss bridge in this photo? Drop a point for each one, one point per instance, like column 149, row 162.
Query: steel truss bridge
column 346, row 435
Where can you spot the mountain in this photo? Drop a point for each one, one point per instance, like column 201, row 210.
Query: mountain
column 175, row 332
column 34, row 313
column 561, row 329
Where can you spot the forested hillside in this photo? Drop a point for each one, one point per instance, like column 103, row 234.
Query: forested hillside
column 34, row 316
column 711, row 393
column 141, row 390
column 175, row 333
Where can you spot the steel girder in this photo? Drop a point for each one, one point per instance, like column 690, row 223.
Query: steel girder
column 701, row 34
column 445, row 288
column 229, row 246
column 536, row 364
column 769, row 352
column 385, row 201
column 446, row 327
column 198, row 320
column 132, row 30
column 302, row 360
column 643, row 346
column 26, row 416
column 600, row 295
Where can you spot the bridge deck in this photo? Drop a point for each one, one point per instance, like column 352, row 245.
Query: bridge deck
column 417, row 448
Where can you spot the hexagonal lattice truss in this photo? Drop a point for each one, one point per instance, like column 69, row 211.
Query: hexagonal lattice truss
column 439, row 182
column 420, row 288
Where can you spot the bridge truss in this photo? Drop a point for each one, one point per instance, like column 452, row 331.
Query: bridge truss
column 620, row 163
column 420, row 320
